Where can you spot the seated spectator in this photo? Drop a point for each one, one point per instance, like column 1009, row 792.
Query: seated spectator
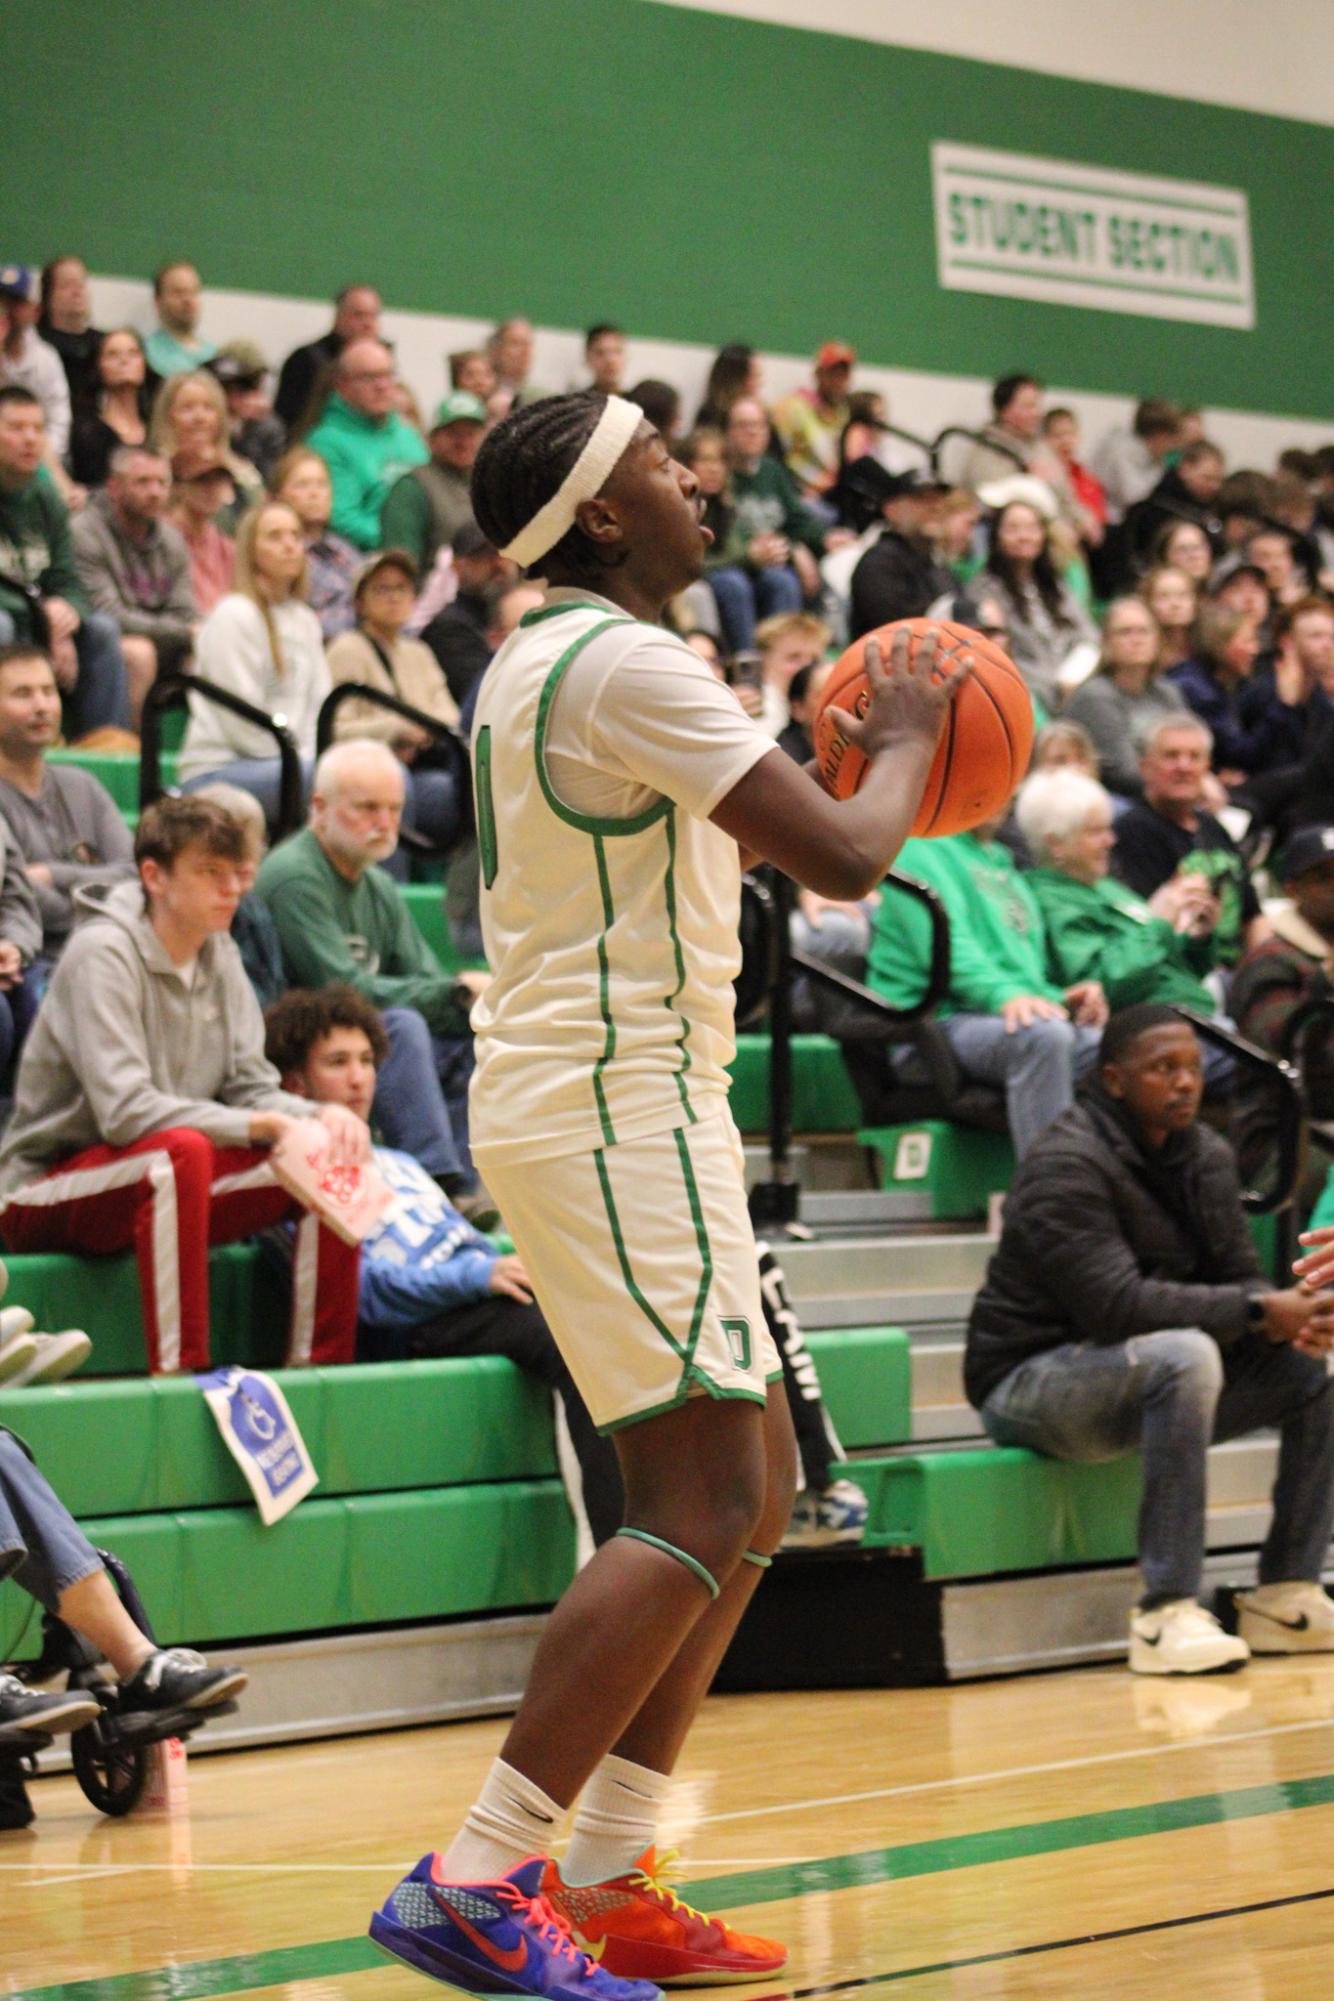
column 190, row 415
column 364, row 441
column 41, row 598
column 343, row 920
column 1013, row 443
column 1173, row 596
column 1243, row 505
column 202, row 489
column 425, row 509
column 255, row 434
column 26, row 362
column 704, row 452
column 1045, row 618
column 509, row 348
column 1097, row 929
column 115, row 409
column 1130, row 463
column 356, row 317
column 144, row 1103
column 459, row 636
column 786, row 644
column 262, row 642
column 1213, row 680
column 22, row 970
column 811, row 421
column 775, row 539
column 430, row 1284
column 661, row 404
column 58, row 820
column 604, row 358
column 1169, row 832
column 1237, row 584
column 1006, row 1020
column 378, row 654
column 176, row 346
column 1183, row 545
column 1287, row 704
column 254, row 933
column 1125, row 1310
column 64, row 322
column 471, row 369
column 803, row 705
column 900, row 575
column 135, row 568
column 1060, row 434
column 1187, row 491
column 1126, row 694
column 1064, row 746
column 47, row 1554
column 1275, row 552
column 1285, row 972
column 736, row 370
column 301, row 478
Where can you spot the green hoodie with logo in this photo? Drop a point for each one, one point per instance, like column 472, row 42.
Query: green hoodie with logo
column 998, row 941
column 1103, row 931
column 365, row 456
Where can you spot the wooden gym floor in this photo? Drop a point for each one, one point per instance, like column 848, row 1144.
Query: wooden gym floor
column 1077, row 1834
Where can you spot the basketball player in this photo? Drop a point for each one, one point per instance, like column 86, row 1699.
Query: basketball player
column 618, row 785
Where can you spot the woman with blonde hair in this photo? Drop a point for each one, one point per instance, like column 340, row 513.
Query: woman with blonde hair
column 263, row 642
column 1125, row 697
column 301, row 478
column 1173, row 596
column 190, row 416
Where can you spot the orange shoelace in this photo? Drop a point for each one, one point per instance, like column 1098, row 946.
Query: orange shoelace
column 551, row 1928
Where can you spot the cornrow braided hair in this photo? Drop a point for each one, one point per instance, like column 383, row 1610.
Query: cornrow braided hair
column 521, row 466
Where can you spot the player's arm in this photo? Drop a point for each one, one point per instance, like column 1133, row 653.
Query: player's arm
column 843, row 848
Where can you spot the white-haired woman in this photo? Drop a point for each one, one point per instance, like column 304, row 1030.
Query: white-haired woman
column 1126, row 696
column 1097, row 929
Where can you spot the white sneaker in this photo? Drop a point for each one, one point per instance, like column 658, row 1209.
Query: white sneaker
column 54, row 1357
column 1286, row 1619
column 16, row 1352
column 822, row 1520
column 15, row 1320
column 1182, row 1638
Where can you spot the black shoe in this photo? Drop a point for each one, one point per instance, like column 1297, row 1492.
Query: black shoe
column 24, row 1708
column 179, row 1678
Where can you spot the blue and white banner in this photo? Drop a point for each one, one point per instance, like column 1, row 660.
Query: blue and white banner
column 260, row 1432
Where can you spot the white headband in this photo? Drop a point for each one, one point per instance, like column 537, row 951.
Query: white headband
column 587, row 476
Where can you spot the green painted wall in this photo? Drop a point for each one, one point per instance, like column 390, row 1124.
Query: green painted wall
column 700, row 177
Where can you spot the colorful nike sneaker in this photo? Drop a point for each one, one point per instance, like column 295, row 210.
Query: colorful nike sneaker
column 493, row 1938
column 638, row 1928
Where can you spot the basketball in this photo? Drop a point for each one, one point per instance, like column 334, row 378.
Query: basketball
column 984, row 746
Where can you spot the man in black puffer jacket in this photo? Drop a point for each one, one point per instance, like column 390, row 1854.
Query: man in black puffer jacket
column 1125, row 1309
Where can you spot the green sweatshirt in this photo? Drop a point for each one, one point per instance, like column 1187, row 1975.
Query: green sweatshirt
column 365, row 455
column 767, row 502
column 35, row 549
column 998, row 943
column 360, row 932
column 1102, row 931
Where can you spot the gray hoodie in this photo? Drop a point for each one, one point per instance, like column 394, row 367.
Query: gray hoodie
column 121, row 1047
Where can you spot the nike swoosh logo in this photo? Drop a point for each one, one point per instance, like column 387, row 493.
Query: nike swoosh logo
column 521, row 1806
column 1146, row 1641
column 511, row 1959
column 1301, row 1624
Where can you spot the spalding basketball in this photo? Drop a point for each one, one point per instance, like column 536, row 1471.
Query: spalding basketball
column 984, row 746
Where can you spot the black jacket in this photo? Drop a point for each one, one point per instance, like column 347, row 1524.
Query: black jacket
column 896, row 578
column 1104, row 1239
column 1170, row 500
column 300, row 373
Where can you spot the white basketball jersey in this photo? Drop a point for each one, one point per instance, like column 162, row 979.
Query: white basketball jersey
column 612, row 936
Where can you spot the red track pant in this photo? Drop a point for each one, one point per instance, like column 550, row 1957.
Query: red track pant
column 170, row 1196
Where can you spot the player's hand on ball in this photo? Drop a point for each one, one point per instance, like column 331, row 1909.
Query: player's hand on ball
column 908, row 699
column 509, row 1278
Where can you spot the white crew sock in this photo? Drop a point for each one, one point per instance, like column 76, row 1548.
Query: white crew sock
column 617, row 1820
column 510, row 1820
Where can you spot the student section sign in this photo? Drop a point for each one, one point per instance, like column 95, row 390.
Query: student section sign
column 1072, row 235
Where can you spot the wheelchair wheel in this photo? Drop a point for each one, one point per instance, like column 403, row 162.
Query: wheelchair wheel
column 112, row 1776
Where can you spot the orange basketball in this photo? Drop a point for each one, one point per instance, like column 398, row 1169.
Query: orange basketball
column 984, row 747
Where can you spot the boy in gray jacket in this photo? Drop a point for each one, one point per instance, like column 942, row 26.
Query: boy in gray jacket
column 145, row 1105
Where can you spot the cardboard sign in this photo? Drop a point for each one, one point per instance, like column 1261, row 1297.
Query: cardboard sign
column 260, row 1432
column 350, row 1199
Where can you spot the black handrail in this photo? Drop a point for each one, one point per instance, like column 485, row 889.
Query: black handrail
column 171, row 689
column 1278, row 1076
column 444, row 735
column 774, row 1203
column 992, row 444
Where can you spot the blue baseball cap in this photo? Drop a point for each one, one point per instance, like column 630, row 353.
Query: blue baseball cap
column 16, row 281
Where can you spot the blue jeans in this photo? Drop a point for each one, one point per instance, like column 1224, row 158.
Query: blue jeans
column 41, row 1546
column 421, row 1096
column 100, row 696
column 18, row 1011
column 743, row 596
column 260, row 776
column 1171, row 1395
column 1036, row 1067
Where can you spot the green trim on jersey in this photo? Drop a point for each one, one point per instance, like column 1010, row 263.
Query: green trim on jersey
column 670, row 1000
column 587, row 823
column 544, row 611
column 685, row 1354
column 604, row 994
column 661, row 1409
column 486, row 806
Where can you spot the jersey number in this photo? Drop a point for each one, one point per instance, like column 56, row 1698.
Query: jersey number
column 486, row 807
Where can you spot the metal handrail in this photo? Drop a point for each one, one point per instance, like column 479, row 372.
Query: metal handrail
column 443, row 734
column 1276, row 1074
column 171, row 689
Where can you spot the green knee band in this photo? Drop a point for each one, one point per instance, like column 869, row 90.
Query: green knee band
column 753, row 1556
column 692, row 1564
